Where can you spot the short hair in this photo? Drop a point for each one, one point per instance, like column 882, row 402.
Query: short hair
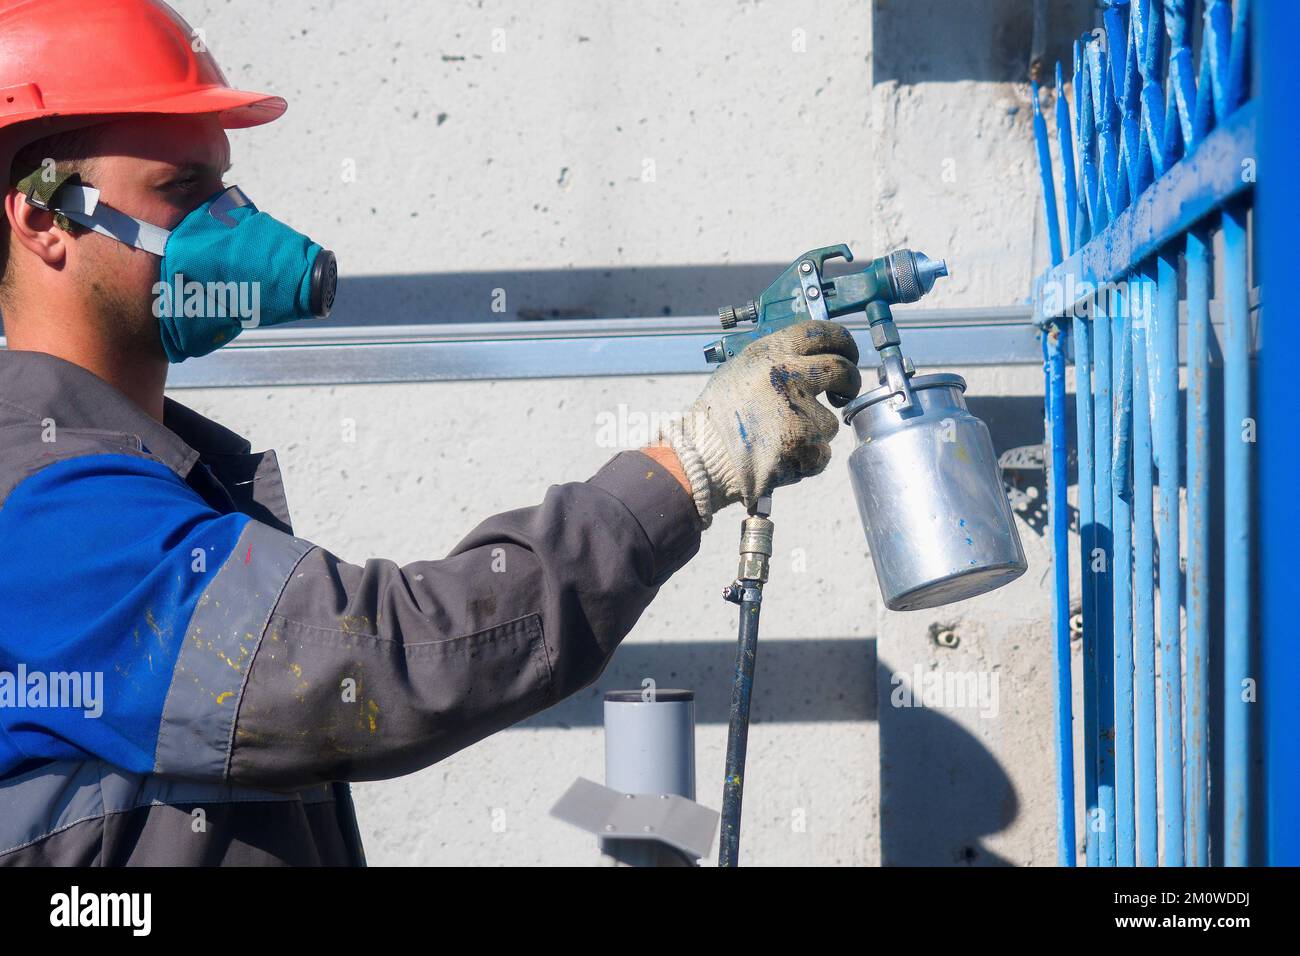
column 71, row 151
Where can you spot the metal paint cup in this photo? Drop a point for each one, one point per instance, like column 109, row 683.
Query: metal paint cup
column 928, row 489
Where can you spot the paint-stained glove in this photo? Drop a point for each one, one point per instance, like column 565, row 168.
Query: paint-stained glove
column 758, row 424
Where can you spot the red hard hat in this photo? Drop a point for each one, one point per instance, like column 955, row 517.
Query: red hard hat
column 65, row 63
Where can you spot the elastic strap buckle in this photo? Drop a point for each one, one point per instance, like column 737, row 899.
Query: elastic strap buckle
column 41, row 191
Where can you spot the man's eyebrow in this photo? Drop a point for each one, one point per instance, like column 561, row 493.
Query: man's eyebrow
column 196, row 168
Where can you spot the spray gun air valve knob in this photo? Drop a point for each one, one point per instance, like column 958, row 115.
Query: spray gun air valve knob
column 731, row 314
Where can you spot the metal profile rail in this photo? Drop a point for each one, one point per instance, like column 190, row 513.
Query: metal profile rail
column 327, row 354
column 1155, row 161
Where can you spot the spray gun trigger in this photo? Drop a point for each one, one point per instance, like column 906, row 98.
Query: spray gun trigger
column 818, row 257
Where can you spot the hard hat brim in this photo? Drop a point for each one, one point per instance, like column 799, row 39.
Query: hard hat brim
column 237, row 109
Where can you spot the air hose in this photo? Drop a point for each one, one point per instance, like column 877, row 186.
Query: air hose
column 746, row 591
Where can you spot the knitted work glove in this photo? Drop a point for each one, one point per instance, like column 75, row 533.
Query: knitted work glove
column 758, row 425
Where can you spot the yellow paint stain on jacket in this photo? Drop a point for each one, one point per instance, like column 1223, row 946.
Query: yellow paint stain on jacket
column 355, row 624
column 155, row 626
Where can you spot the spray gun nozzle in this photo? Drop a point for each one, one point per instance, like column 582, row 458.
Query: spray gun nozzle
column 927, row 270
column 912, row 274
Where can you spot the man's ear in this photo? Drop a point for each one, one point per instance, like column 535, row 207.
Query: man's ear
column 34, row 229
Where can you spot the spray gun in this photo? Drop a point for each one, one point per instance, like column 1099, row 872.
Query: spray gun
column 799, row 294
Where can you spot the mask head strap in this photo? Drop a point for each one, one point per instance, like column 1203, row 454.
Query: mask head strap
column 72, row 202
column 40, row 187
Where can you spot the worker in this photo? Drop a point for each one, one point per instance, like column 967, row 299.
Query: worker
column 183, row 680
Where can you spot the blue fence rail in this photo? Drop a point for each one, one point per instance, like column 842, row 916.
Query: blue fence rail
column 1155, row 160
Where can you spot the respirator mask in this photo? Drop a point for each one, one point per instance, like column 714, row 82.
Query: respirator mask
column 224, row 268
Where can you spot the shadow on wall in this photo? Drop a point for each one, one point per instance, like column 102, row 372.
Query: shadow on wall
column 539, row 294
column 1013, row 420
column 527, row 295
column 831, row 679
column 943, row 41
column 941, row 790
column 1016, row 421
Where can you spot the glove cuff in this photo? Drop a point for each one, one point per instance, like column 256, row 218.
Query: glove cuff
column 696, row 472
column 706, row 462
column 724, row 485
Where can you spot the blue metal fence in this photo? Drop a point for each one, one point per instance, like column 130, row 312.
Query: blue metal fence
column 1155, row 160
column 1279, row 460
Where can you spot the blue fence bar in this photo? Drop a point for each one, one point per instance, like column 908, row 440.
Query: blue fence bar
column 1082, row 331
column 1164, row 377
column 1229, row 87
column 1144, row 639
column 1054, row 415
column 1158, row 125
column 1122, row 518
column 1054, row 366
column 1197, row 691
column 1238, row 439
column 1102, row 574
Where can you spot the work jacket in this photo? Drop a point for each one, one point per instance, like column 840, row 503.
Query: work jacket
column 244, row 674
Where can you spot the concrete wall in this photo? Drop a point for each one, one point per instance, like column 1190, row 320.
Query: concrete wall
column 618, row 158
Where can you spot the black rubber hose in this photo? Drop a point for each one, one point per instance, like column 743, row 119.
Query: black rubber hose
column 738, row 727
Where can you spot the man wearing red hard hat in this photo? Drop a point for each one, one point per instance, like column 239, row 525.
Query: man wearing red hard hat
column 168, row 648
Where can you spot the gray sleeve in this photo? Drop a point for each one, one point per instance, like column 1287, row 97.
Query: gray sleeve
column 372, row 671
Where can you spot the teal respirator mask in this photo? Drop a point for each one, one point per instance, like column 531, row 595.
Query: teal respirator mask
column 226, row 266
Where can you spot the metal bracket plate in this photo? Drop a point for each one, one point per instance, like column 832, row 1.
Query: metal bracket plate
column 665, row 818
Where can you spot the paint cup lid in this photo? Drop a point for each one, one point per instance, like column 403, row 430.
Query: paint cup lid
column 882, row 392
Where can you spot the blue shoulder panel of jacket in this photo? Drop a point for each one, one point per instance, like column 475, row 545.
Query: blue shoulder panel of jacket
column 106, row 557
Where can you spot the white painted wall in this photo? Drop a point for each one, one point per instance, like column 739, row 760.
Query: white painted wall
column 759, row 151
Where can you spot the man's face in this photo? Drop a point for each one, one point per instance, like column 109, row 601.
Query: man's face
column 157, row 169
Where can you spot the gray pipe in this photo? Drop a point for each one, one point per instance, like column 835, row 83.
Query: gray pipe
column 649, row 748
